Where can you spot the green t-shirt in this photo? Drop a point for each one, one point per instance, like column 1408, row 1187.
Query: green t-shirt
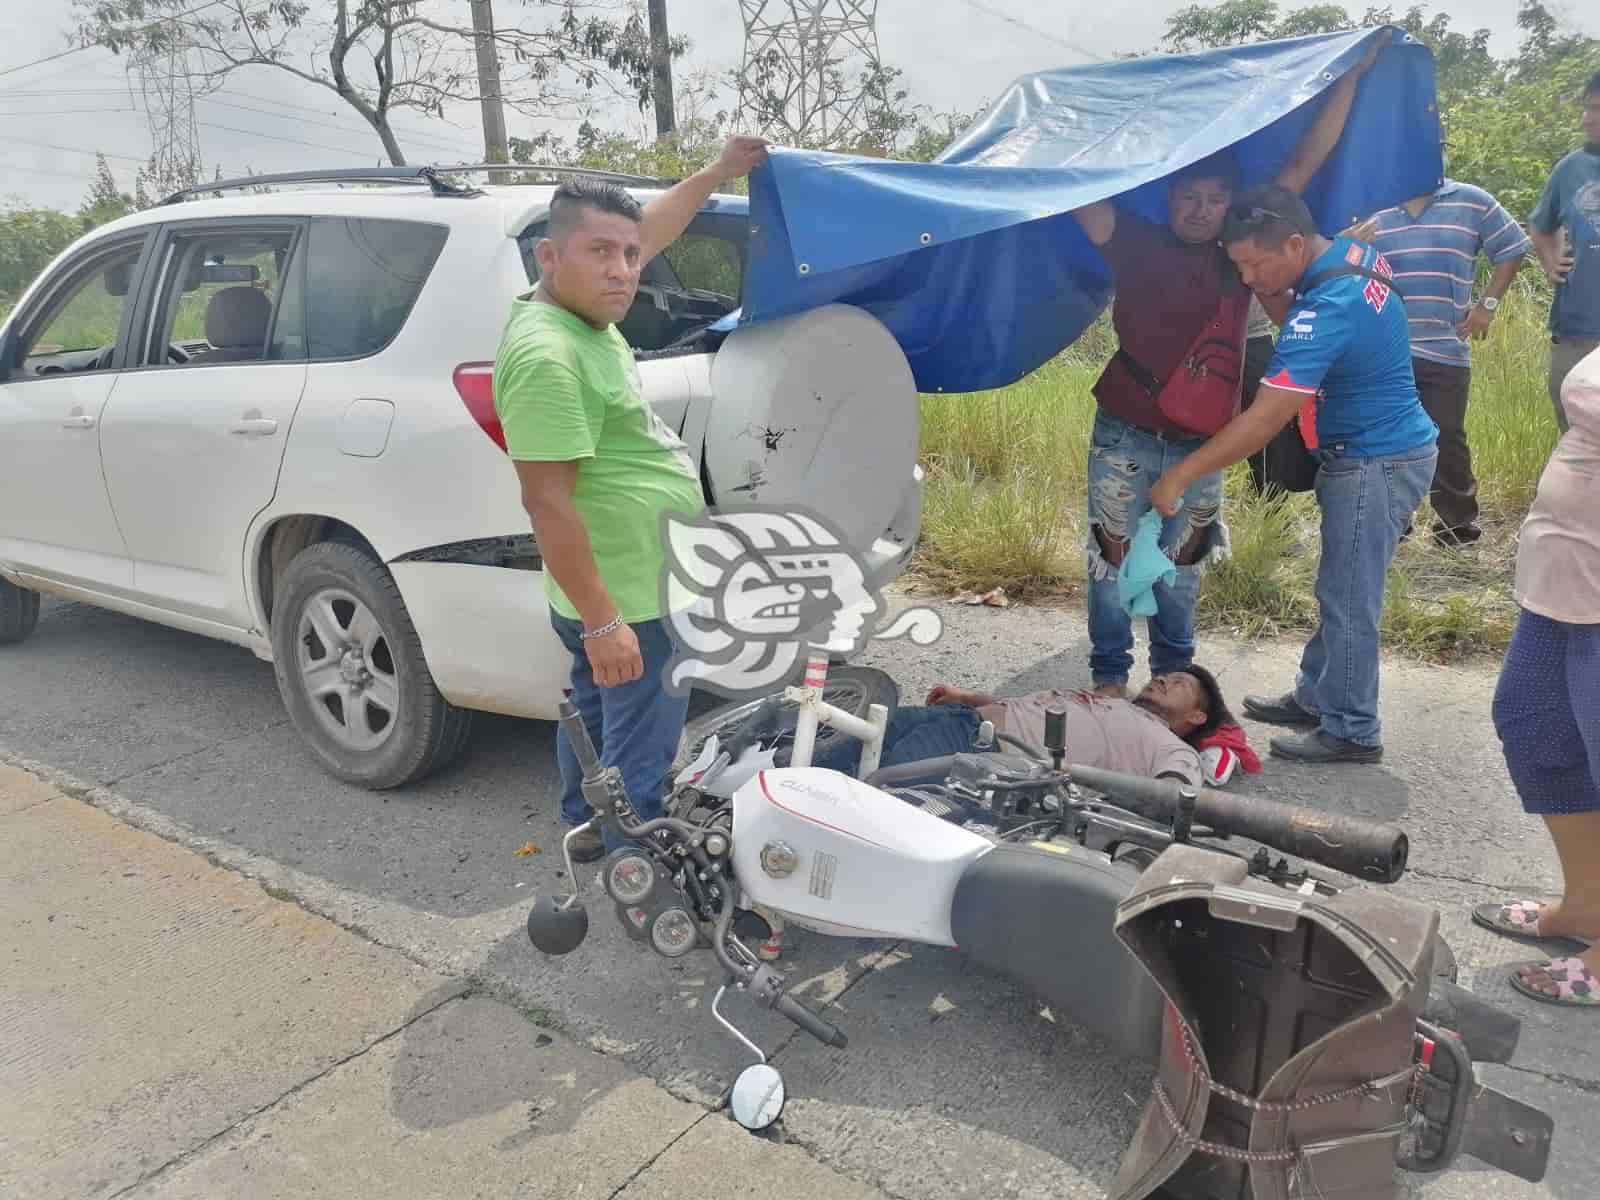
column 565, row 390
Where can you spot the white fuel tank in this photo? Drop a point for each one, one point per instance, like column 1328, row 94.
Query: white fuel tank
column 845, row 858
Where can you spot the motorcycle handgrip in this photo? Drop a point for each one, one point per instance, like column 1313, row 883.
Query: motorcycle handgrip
column 577, row 732
column 1367, row 849
column 825, row 1032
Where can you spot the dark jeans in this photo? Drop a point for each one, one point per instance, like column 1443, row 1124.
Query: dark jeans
column 1454, row 494
column 913, row 734
column 635, row 727
column 1366, row 504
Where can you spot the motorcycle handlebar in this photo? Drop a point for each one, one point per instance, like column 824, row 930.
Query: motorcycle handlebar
column 1357, row 846
column 571, row 721
column 825, row 1032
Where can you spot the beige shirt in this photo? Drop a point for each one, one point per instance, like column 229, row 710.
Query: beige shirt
column 1113, row 735
column 1558, row 550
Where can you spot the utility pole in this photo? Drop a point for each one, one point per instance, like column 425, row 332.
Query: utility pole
column 494, row 114
column 661, row 67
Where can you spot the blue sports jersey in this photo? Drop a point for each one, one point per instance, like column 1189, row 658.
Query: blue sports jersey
column 1348, row 344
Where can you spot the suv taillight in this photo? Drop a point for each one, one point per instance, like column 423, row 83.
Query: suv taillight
column 475, row 385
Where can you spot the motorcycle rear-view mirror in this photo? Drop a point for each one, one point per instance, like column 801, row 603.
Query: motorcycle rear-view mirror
column 758, row 1097
column 554, row 929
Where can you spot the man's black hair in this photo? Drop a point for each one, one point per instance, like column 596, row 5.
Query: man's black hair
column 1221, row 166
column 579, row 192
column 1592, row 87
column 1268, row 215
column 1217, row 713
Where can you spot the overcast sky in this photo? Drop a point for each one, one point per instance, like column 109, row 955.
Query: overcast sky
column 55, row 115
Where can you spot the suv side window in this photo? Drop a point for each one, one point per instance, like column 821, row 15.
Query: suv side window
column 693, row 283
column 362, row 278
column 225, row 297
column 79, row 325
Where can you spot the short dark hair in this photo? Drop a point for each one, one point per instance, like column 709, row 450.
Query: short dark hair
column 1592, row 87
column 578, row 192
column 1269, row 215
column 1221, row 166
column 1217, row 713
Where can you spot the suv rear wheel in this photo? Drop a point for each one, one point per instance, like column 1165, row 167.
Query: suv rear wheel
column 19, row 612
column 351, row 672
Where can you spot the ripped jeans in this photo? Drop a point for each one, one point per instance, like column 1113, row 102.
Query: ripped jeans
column 1124, row 463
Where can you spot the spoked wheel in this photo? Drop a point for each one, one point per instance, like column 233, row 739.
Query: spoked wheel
column 853, row 689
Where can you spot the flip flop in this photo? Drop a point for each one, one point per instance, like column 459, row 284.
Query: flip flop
column 1576, row 985
column 1520, row 919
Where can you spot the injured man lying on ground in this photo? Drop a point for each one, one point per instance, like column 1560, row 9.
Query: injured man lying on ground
column 1178, row 727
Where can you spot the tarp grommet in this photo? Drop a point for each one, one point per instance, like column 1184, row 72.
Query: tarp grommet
column 926, row 239
column 805, row 268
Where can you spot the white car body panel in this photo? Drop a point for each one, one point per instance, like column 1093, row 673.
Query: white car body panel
column 381, row 443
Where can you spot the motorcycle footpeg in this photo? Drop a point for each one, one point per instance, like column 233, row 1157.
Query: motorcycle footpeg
column 1490, row 1033
column 1453, row 1114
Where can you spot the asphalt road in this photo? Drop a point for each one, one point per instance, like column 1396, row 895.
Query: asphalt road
column 954, row 1084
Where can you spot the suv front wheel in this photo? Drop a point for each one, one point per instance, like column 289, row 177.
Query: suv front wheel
column 19, row 612
column 351, row 672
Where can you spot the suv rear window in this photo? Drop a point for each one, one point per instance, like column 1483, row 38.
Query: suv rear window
column 362, row 278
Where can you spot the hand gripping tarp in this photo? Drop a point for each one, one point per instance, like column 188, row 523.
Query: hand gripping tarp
column 974, row 263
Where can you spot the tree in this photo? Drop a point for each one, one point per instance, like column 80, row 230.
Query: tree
column 104, row 201
column 29, row 239
column 384, row 56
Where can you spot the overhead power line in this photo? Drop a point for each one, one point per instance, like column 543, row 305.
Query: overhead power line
column 1033, row 29
column 38, row 62
column 68, row 149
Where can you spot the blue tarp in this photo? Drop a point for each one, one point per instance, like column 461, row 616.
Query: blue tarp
column 973, row 261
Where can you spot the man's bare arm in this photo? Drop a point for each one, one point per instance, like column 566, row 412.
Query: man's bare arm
column 1324, row 134
column 1548, row 247
column 1099, row 221
column 1234, row 442
column 563, row 541
column 669, row 214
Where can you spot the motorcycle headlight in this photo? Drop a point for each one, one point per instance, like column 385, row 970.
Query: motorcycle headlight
column 630, row 879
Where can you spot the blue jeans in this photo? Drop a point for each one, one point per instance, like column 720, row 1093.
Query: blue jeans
column 635, row 727
column 913, row 734
column 1366, row 504
column 1124, row 463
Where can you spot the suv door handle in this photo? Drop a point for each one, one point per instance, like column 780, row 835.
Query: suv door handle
column 78, row 420
column 257, row 426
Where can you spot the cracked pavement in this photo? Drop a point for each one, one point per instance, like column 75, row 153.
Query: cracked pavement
column 955, row 1084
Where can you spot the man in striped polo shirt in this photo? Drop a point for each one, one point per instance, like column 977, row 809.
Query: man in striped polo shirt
column 1433, row 242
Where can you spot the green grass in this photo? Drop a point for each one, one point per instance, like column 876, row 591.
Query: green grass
column 1004, row 504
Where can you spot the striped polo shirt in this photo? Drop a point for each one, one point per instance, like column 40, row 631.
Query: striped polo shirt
column 1434, row 257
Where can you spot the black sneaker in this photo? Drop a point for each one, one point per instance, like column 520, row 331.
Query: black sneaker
column 589, row 846
column 1280, row 710
column 1320, row 747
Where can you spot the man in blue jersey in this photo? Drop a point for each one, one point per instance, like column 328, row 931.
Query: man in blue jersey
column 1433, row 242
column 1344, row 344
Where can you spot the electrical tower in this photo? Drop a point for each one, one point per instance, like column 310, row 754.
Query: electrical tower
column 166, row 87
column 809, row 68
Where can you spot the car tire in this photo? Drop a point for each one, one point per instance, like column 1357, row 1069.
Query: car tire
column 19, row 612
column 352, row 675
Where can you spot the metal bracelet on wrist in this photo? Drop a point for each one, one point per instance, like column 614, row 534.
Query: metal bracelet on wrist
column 610, row 626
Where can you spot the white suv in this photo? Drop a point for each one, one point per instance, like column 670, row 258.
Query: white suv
column 262, row 412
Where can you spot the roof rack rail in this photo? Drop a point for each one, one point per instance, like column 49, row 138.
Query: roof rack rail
column 432, row 176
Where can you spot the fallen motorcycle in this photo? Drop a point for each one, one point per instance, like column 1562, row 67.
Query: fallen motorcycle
column 1300, row 1034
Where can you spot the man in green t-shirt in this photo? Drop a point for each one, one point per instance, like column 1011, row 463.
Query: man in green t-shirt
column 598, row 469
